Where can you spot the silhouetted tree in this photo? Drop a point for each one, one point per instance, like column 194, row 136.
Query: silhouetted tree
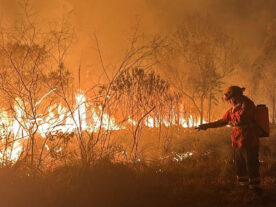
column 199, row 57
column 264, row 68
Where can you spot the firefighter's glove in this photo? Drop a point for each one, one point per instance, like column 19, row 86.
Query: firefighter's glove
column 202, row 127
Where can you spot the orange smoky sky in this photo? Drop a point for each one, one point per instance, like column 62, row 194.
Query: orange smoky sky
column 112, row 21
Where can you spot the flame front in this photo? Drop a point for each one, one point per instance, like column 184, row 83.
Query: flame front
column 14, row 129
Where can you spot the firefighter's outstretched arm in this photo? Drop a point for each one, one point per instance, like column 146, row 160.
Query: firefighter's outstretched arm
column 215, row 124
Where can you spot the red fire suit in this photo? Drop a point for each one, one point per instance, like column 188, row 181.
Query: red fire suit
column 242, row 118
column 245, row 140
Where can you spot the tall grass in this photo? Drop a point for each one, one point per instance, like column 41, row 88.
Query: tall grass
column 204, row 178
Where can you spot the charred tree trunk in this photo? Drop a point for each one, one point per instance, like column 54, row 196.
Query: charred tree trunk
column 209, row 107
column 201, row 108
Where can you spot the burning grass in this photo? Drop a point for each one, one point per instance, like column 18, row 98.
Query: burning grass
column 197, row 171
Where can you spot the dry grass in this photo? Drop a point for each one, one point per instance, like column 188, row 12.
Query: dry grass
column 205, row 179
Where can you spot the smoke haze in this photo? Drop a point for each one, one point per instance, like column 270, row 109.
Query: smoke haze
column 113, row 21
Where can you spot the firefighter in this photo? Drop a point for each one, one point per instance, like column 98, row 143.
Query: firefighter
column 245, row 141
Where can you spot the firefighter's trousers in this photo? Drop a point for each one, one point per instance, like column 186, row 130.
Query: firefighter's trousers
column 247, row 166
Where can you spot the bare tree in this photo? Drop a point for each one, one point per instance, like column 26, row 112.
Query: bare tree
column 264, row 68
column 25, row 55
column 199, row 57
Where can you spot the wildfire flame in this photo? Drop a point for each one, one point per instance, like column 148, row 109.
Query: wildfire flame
column 61, row 119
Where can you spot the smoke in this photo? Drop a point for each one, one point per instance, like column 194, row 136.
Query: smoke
column 112, row 21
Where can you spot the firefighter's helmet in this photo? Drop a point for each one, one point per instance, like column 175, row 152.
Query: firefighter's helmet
column 233, row 92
